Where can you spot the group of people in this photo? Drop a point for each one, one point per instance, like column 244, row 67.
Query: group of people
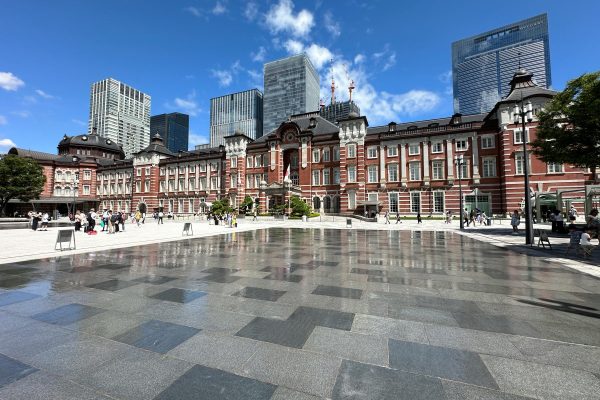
column 39, row 221
column 229, row 219
column 475, row 216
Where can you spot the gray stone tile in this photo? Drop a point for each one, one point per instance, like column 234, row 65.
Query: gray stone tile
column 260, row 293
column 349, row 345
column 458, row 365
column 542, row 381
column 157, row 336
column 154, row 279
column 12, row 322
column 461, row 391
column 15, row 297
column 326, row 318
column 34, row 338
column 112, row 285
column 224, row 352
column 336, row 291
column 290, row 333
column 362, row 381
column 12, row 370
column 67, row 314
column 178, row 295
column 135, row 374
column 471, row 340
column 296, row 369
column 491, row 323
column 107, row 324
column 204, row 383
column 283, row 393
column 78, row 356
column 420, row 314
column 43, row 386
column 410, row 331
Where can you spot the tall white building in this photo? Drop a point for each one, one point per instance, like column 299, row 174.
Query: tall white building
column 121, row 113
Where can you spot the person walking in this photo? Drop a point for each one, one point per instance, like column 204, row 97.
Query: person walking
column 45, row 220
column 77, row 218
column 254, row 215
column 34, row 221
column 465, row 216
column 419, row 219
column 398, row 220
column 138, row 217
column 91, row 218
column 161, row 215
column 105, row 220
column 515, row 220
column 387, row 217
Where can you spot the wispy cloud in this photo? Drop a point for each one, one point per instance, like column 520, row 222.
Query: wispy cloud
column 386, row 58
column 281, row 18
column 10, row 82
column 43, row 94
column 259, row 56
column 219, row 8
column 195, row 139
column 225, row 76
column 3, row 120
column 21, row 113
column 446, row 79
column 317, row 54
column 79, row 122
column 251, row 11
column 194, row 11
column 331, row 25
column 6, row 144
column 187, row 105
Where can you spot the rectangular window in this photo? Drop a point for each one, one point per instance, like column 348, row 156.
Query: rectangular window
column 487, row 142
column 316, row 155
column 203, row 167
column 233, row 162
column 257, row 161
column 181, row 184
column 192, row 184
column 438, row 202
column 138, row 172
column 373, row 197
column 147, row 185
column 372, row 174
column 352, row 200
column 147, row 172
column 351, row 150
column 393, row 196
column 464, row 170
column 414, row 149
column 415, row 171
column 519, row 164
column 138, row 186
column 415, row 202
column 555, row 168
column 171, row 185
column 249, row 162
column 326, row 176
column 392, row 151
column 437, row 168
column 437, row 147
column 180, row 206
column 462, row 145
column 162, row 186
column 233, row 181
column 316, row 177
column 214, row 182
column 202, row 183
column 192, row 168
column 87, row 174
column 190, row 206
column 518, row 136
column 393, row 172
column 249, row 181
column 372, row 152
column 162, row 171
column 351, row 174
column 86, row 189
column 336, row 176
column 326, row 154
column 181, row 169
column 489, row 167
column 336, row 153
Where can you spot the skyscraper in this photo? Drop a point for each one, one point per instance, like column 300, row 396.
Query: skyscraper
column 174, row 128
column 121, row 113
column 291, row 87
column 483, row 65
column 339, row 110
column 241, row 111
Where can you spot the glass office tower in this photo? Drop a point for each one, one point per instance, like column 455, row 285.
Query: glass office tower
column 483, row 65
column 291, row 87
column 339, row 110
column 241, row 111
column 174, row 128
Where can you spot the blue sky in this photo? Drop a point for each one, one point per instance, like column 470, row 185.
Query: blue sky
column 185, row 52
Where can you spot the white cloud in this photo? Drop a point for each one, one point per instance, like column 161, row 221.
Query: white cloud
column 22, row 113
column 359, row 58
column 445, row 77
column 187, row 105
column 219, row 8
column 10, row 82
column 6, row 144
column 195, row 139
column 331, row 25
column 318, row 55
column 293, row 46
column 256, row 78
column 78, row 122
column 43, row 94
column 30, row 100
column 250, row 11
column 224, row 76
column 386, row 57
column 194, row 11
column 281, row 18
column 3, row 120
column 259, row 56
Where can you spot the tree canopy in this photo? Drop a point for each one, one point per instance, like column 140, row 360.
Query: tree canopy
column 20, row 178
column 299, row 207
column 569, row 126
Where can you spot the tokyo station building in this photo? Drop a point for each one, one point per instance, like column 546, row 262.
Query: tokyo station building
column 344, row 168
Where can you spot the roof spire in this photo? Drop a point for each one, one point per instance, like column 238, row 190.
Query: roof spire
column 332, row 84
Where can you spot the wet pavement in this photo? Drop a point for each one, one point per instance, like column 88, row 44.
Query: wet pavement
column 300, row 314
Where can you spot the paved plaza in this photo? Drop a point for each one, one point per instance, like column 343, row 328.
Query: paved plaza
column 299, row 313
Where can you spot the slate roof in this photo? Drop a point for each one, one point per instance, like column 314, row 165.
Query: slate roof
column 36, row 155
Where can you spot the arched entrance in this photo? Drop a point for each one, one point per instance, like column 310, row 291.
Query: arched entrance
column 142, row 207
column 316, row 203
column 336, row 205
column 327, row 204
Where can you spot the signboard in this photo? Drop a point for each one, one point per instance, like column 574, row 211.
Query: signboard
column 65, row 236
column 543, row 239
column 187, row 229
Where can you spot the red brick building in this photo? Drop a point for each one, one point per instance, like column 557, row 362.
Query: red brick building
column 343, row 168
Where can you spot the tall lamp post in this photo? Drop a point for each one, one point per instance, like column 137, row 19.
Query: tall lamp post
column 520, row 114
column 460, row 162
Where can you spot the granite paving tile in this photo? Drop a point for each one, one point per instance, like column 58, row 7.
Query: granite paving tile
column 67, row 314
column 12, row 370
column 157, row 336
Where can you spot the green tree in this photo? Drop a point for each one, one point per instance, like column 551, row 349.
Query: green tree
column 246, row 204
column 20, row 178
column 220, row 207
column 299, row 207
column 569, row 126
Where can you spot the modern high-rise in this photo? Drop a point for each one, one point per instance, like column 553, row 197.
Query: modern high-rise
column 339, row 110
column 174, row 128
column 241, row 111
column 120, row 113
column 291, row 87
column 483, row 65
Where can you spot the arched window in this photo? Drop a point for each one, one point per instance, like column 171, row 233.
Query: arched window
column 327, row 204
column 316, row 203
column 67, row 191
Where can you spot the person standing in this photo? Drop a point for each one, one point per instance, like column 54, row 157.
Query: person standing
column 161, row 215
column 560, row 222
column 515, row 220
column 138, row 217
column 387, row 217
column 419, row 219
column 465, row 216
column 91, row 218
column 77, row 217
column 398, row 218
column 254, row 215
column 45, row 220
column 34, row 221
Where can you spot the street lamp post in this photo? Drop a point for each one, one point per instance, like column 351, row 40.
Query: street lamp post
column 459, row 163
column 525, row 112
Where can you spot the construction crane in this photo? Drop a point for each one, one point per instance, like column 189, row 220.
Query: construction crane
column 332, row 84
column 351, row 86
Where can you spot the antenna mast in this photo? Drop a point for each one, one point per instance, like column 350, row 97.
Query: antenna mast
column 351, row 86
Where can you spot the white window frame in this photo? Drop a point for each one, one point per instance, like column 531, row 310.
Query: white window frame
column 394, row 208
column 316, row 156
column 411, row 170
column 461, row 142
column 351, row 150
column 372, row 152
column 372, row 174
column 552, row 168
column 390, row 168
column 437, row 170
column 326, row 176
column 326, row 155
column 488, row 138
column 435, row 149
column 336, row 176
column 392, row 151
column 520, row 155
column 518, row 137
column 373, row 197
column 412, row 202
column 336, row 153
column 86, row 189
column 87, row 174
column 436, row 209
column 486, row 170
column 352, row 176
column 316, row 177
column 233, row 162
column 414, row 149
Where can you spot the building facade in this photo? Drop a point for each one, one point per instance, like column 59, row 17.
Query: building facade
column 174, row 128
column 241, row 111
column 344, row 168
column 120, row 113
column 291, row 87
column 483, row 65
column 339, row 110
